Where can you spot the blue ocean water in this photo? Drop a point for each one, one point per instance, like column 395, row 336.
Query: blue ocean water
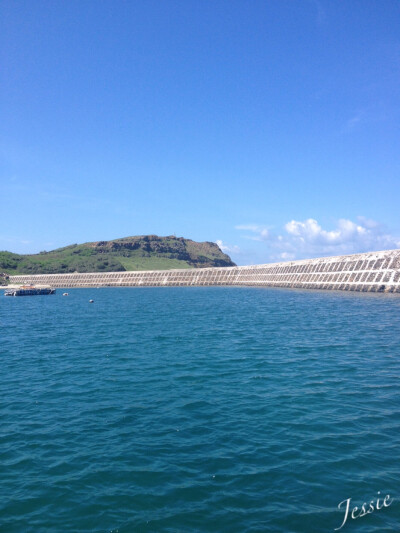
column 199, row 410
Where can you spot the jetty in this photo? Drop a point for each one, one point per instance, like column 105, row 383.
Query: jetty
column 30, row 290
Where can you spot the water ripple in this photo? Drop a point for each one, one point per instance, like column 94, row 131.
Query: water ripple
column 198, row 409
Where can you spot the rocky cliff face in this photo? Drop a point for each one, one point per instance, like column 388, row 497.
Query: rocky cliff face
column 196, row 254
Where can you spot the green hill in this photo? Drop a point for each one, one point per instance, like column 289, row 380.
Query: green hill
column 148, row 252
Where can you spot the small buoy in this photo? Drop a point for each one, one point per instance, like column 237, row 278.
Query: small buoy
column 65, row 294
column 91, row 301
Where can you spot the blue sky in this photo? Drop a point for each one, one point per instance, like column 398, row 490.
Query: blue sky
column 271, row 127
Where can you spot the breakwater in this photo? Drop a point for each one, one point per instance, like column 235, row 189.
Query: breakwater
column 367, row 272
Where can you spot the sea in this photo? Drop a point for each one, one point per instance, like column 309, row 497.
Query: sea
column 200, row 409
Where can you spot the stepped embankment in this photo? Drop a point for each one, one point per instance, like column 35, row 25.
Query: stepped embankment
column 366, row 272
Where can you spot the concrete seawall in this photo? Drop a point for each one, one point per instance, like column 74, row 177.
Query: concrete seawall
column 368, row 272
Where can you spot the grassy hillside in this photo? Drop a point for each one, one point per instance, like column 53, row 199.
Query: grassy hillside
column 148, row 252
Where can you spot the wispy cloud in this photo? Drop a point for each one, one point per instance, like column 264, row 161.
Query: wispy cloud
column 355, row 120
column 5, row 242
column 321, row 13
column 258, row 233
column 301, row 239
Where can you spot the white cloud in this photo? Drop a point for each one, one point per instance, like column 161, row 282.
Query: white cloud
column 307, row 238
column 311, row 232
column 227, row 248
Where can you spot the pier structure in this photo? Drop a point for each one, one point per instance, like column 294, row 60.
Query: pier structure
column 367, row 272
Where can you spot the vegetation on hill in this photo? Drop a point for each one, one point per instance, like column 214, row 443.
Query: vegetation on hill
column 3, row 279
column 148, row 252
